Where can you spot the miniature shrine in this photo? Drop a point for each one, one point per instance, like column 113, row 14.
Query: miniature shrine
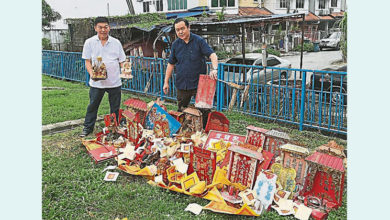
column 273, row 140
column 237, row 173
column 293, row 156
column 324, row 183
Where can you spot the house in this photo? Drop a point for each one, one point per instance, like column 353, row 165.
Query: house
column 167, row 6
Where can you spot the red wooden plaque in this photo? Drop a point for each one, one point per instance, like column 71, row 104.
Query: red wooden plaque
column 203, row 162
column 205, row 93
column 217, row 121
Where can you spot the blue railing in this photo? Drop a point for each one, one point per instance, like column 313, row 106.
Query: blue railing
column 271, row 93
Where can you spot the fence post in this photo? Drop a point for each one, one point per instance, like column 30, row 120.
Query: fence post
column 162, row 79
column 303, row 95
column 219, row 87
column 62, row 66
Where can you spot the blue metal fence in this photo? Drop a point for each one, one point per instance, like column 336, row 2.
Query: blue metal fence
column 317, row 101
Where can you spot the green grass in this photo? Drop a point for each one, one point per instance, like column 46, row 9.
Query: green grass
column 70, row 103
column 73, row 186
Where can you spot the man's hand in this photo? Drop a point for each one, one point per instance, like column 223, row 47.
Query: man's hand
column 166, row 88
column 214, row 74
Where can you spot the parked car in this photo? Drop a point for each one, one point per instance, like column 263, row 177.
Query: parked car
column 328, row 82
column 255, row 59
column 333, row 41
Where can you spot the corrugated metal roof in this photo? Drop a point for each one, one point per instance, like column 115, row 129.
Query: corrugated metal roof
column 137, row 104
column 327, row 160
column 248, row 20
column 184, row 14
column 253, row 11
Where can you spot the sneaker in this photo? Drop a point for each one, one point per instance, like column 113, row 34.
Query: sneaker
column 85, row 132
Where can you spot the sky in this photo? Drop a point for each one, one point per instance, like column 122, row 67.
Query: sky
column 86, row 8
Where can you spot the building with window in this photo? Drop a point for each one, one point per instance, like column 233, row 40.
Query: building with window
column 167, row 6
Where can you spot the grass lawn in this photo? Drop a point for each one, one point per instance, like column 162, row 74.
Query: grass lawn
column 73, row 186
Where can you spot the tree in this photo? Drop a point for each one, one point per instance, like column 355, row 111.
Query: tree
column 343, row 41
column 48, row 15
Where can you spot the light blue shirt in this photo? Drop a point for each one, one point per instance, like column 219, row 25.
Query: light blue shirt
column 112, row 54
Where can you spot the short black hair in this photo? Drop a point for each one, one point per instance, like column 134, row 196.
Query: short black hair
column 101, row 20
column 180, row 20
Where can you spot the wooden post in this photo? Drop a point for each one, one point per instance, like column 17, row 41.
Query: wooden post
column 303, row 37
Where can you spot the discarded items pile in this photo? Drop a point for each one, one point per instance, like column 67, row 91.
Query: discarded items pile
column 242, row 175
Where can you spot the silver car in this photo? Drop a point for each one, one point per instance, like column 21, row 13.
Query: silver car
column 333, row 41
column 254, row 74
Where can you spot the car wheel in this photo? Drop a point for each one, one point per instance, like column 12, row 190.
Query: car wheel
column 283, row 75
column 338, row 47
column 336, row 96
column 320, row 48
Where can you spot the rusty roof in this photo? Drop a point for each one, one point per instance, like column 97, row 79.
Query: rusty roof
column 310, row 17
column 253, row 128
column 327, row 160
column 244, row 11
column 337, row 14
column 137, row 104
column 326, row 17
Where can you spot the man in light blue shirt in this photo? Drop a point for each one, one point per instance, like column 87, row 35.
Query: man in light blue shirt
column 111, row 51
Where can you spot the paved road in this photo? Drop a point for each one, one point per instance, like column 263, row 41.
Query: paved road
column 315, row 60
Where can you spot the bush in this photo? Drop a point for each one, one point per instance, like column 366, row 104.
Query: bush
column 309, row 47
column 223, row 54
column 46, row 44
column 269, row 51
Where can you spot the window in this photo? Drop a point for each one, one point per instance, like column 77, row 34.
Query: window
column 283, row 3
column 321, row 4
column 300, row 4
column 333, row 3
column 159, row 5
column 271, row 61
column 146, row 6
column 176, row 4
column 222, row 3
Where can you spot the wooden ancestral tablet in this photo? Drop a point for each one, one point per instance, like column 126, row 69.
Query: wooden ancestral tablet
column 273, row 141
column 293, row 156
column 203, row 162
column 99, row 71
column 255, row 135
column 205, row 93
column 242, row 169
column 137, row 105
column 134, row 130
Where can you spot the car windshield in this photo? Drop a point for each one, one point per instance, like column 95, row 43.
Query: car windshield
column 335, row 35
column 240, row 61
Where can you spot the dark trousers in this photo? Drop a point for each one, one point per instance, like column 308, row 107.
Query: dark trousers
column 183, row 100
column 95, row 97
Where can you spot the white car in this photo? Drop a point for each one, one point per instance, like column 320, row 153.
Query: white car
column 333, row 41
column 255, row 59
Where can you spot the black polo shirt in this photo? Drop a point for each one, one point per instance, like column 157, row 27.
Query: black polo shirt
column 189, row 60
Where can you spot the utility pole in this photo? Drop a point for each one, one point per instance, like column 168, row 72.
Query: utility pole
column 130, row 6
column 108, row 9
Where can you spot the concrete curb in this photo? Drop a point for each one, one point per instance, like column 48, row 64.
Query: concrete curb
column 64, row 126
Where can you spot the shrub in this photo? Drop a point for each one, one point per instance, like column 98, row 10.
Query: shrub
column 46, row 44
column 309, row 47
column 223, row 54
column 269, row 51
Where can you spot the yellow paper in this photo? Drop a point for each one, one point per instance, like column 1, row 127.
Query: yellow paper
column 198, row 188
column 214, row 195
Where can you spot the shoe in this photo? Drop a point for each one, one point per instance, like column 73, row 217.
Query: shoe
column 85, row 132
